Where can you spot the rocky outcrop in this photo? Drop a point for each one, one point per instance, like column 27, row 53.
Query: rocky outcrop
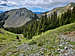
column 16, row 17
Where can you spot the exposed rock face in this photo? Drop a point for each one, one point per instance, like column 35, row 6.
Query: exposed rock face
column 17, row 17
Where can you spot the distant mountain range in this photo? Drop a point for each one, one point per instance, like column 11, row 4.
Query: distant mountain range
column 19, row 17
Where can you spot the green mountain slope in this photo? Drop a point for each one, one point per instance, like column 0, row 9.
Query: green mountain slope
column 9, row 40
column 49, row 43
column 55, row 40
column 5, row 35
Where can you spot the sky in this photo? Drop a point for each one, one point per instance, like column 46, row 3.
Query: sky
column 33, row 5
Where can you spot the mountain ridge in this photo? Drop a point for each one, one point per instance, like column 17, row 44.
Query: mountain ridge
column 60, row 10
column 17, row 17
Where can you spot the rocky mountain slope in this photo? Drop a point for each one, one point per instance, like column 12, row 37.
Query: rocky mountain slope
column 17, row 17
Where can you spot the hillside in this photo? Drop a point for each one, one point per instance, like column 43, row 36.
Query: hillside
column 17, row 17
column 6, row 38
column 53, row 42
column 57, row 38
column 9, row 40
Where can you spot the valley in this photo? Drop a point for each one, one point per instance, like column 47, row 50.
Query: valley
column 24, row 33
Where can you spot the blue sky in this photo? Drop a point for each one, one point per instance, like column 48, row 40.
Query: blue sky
column 34, row 5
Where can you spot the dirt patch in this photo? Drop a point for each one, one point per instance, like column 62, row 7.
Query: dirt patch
column 70, row 35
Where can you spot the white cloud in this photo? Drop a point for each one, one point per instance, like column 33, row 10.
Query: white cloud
column 11, row 2
column 32, row 4
column 7, row 2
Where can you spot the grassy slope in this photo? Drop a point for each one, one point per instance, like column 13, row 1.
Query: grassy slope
column 6, row 36
column 8, row 40
column 47, row 40
column 55, row 32
column 52, row 37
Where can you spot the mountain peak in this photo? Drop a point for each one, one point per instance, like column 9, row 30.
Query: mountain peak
column 19, row 16
column 71, row 4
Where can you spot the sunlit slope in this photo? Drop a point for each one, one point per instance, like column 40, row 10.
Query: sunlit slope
column 8, row 40
column 48, row 43
column 6, row 36
column 56, row 39
column 55, row 32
